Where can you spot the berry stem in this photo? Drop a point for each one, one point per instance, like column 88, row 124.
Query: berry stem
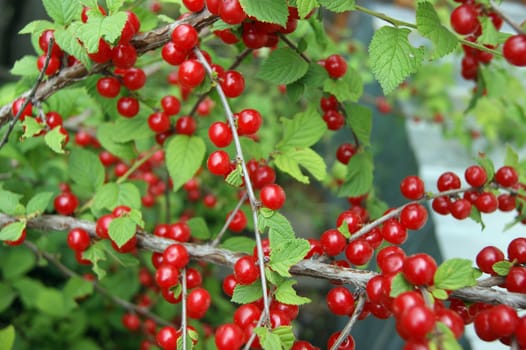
column 183, row 306
column 248, row 183
column 294, row 47
column 393, row 21
column 352, row 320
column 230, row 218
column 253, row 335
column 70, row 273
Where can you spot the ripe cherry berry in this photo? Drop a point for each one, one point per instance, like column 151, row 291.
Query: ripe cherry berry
column 185, row 125
column 245, row 270
column 159, row 122
column 103, row 224
column 134, row 78
column 173, row 55
column 66, row 203
column 340, row 301
column 166, row 275
column 17, row 104
column 78, row 239
column 176, row 255
column 486, row 202
column 124, row 55
column 128, row 107
column 359, row 252
column 229, row 337
column 219, row 163
column 220, row 134
column 487, row 257
column 517, row 250
column 332, row 242
column 194, row 5
column 197, row 303
column 191, row 73
column 18, row 241
column 507, row 176
column 272, row 196
column 347, row 344
column 53, row 64
column 239, row 221
column 108, row 87
column 231, row 12
column 248, row 122
column 464, row 19
column 229, row 284
column 413, row 216
column 415, row 323
column 336, row 66
column 475, row 176
column 185, row 37
column 345, row 152
column 167, row 338
column 514, row 50
column 232, row 83
column 419, row 269
column 448, row 181
column 131, row 322
column 412, row 187
column 170, row 104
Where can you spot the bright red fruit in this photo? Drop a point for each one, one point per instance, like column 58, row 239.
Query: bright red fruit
column 231, row 12
column 247, row 314
column 191, row 73
column 108, row 87
column 415, row 323
column 197, row 303
column 335, row 66
column 78, row 239
column 359, row 252
column 340, row 301
column 66, row 203
column 128, row 107
column 475, row 176
column 194, row 5
column 464, row 19
column 239, row 221
column 103, row 224
column 405, row 301
column 170, row 104
column 248, row 121
column 514, row 50
column 220, row 134
column 347, row 344
column 448, row 181
column 507, row 176
column 124, row 55
column 131, row 321
column 176, row 255
column 159, row 122
column 167, row 338
column 166, row 275
column 517, row 250
column 229, row 337
column 332, row 242
column 245, row 270
column 487, row 257
column 232, row 83
column 413, row 216
column 272, row 196
column 185, row 37
column 412, row 187
column 419, row 269
column 503, row 320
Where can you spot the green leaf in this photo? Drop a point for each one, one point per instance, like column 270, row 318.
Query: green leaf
column 31, row 127
column 360, row 119
column 129, row 195
column 303, row 130
column 272, row 11
column 291, row 160
column 239, row 244
column 315, row 76
column 287, row 295
column 487, row 164
column 106, row 197
column 490, row 34
column 502, row 268
column 428, row 24
column 476, row 216
column 280, row 229
column 77, row 287
column 68, row 42
column 12, row 231
column 62, row 11
column 184, row 155
column 267, row 339
column 338, row 5
column 114, row 5
column 392, row 57
column 37, row 27
column 85, row 169
column 235, row 177
column 95, row 253
column 52, row 302
column 448, row 341
column 7, row 337
column 8, row 296
column 244, row 294
column 347, row 88
column 344, row 229
column 106, row 137
column 440, row 294
column 283, row 66
column 121, row 230
column 26, row 67
column 9, row 202
column 273, row 277
column 199, row 228
column 359, row 176
column 38, row 204
column 55, row 140
column 16, row 262
column 512, row 158
column 306, row 6
column 123, row 259
column 455, row 273
column 399, row 285
column 98, row 26
column 289, row 253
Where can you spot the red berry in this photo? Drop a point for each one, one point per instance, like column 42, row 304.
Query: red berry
column 103, row 53
column 507, row 176
column 193, row 278
column 220, row 134
column 405, row 301
column 231, row 12
column 347, row 344
column 448, row 181
column 159, row 122
column 191, row 73
column 272, row 196
column 248, row 121
column 460, row 208
column 179, row 231
column 53, row 64
column 514, row 50
column 475, row 176
column 340, row 301
column 170, row 104
column 166, row 275
column 108, row 87
column 507, row 202
column 239, row 222
column 194, row 5
column 176, row 255
column 78, row 239
column 516, row 280
column 517, row 250
column 197, row 303
column 66, row 203
column 229, row 337
column 245, row 270
column 486, row 202
column 329, row 103
column 419, row 269
column 487, row 257
column 128, row 107
column 219, row 163
column 185, row 37
column 412, row 187
column 134, row 78
column 394, row 232
column 232, row 83
column 332, row 242
column 43, row 43
column 415, row 323
column 464, row 19
column 359, row 252
column 172, row 54
column 17, row 242
column 17, row 104
column 335, row 66
column 345, row 152
column 167, row 338
column 452, row 320
column 503, row 320
column 124, row 55
column 131, row 27
column 334, row 120
column 229, row 284
column 131, row 322
column 413, row 216
column 246, row 315
column 185, row 125
column 482, row 326
column 103, row 224
column 441, row 205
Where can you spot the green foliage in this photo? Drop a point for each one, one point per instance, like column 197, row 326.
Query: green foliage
column 456, row 273
column 359, row 179
column 272, row 11
column 184, row 156
column 7, row 337
column 283, row 66
column 428, row 24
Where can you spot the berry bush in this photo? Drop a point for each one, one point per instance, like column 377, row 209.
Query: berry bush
column 152, row 150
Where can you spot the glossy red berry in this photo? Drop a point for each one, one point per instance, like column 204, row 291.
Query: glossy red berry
column 413, row 216
column 460, row 208
column 514, row 50
column 53, row 64
column 103, row 224
column 134, row 78
column 220, row 134
column 452, row 320
column 229, row 284
column 108, row 87
column 232, row 83
column 128, row 107
column 347, row 344
column 170, row 104
column 340, row 301
column 475, row 176
column 336, row 66
column 197, row 303
column 487, row 202
column 229, row 337
column 166, row 275
column 516, row 280
column 334, row 120
column 415, row 323
column 43, row 43
column 482, row 326
column 359, row 252
column 131, row 27
column 194, row 5
column 167, row 338
column 345, row 152
column 131, row 322
column 329, row 103
column 17, row 105
column 191, row 73
column 78, row 239
column 419, row 269
column 272, row 196
column 185, row 37
column 103, row 53
column 332, row 242
column 239, row 221
column 219, row 163
column 487, row 257
column 231, row 12
column 193, row 278
column 66, row 203
column 179, row 231
column 517, row 250
column 159, row 122
column 185, row 125
column 441, row 205
column 448, row 181
column 124, row 55
column 503, row 320
column 172, row 54
column 176, row 255
column 405, row 301
column 507, row 176
column 507, row 202
column 412, row 187
column 464, row 19
column 245, row 270
column 248, row 122
column 394, row 232
column 247, row 314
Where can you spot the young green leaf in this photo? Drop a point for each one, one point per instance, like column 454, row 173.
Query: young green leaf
column 338, row 5
column 399, row 285
column 10, row 202
column 62, row 11
column 85, row 169
column 235, row 177
column 359, row 177
column 284, row 293
column 26, row 67
column 306, row 6
column 272, row 11
column 244, row 294
column 267, row 339
column 12, row 231
column 238, row 244
column 502, row 268
column 477, row 217
column 428, row 24
column 290, row 160
column 303, row 130
column 184, row 155
column 77, row 287
column 455, row 273
column 38, row 204
column 347, row 88
column 68, row 42
column 289, row 253
column 55, row 140
column 360, row 119
column 283, row 66
column 280, row 229
column 7, row 337
column 121, row 230
column 512, row 158
column 199, row 228
column 392, row 57
column 440, row 294
column 490, row 34
column 95, row 253
column 31, row 127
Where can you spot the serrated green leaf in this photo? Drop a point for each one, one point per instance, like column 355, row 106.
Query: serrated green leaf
column 85, row 169
column 392, row 57
column 303, row 130
column 347, row 88
column 344, row 229
column 105, row 135
column 490, row 34
column 244, row 294
column 239, row 244
column 487, row 164
column 286, row 336
column 289, row 253
column 477, row 217
column 106, row 197
column 359, row 175
column 272, row 11
column 338, row 5
column 199, row 228
column 9, row 202
column 7, row 337
column 107, row 27
column 136, row 128
column 399, row 285
column 315, row 76
column 280, row 229
column 273, row 277
column 512, row 158
column 502, row 268
column 37, row 27
column 114, row 5
column 285, row 294
column 25, row 67
column 306, row 6
column 136, row 216
column 8, row 296
column 62, row 11
column 95, row 253
column 283, row 66
column 126, row 260
column 184, row 155
column 12, row 231
column 455, row 273
column 360, row 119
column 121, row 230
column 55, row 140
column 38, row 204
column 77, row 287
column 31, row 127
column 290, row 161
column 267, row 339
column 428, row 24
column 440, row 294
column 235, row 177
column 51, row 301
column 68, row 42
column 295, row 90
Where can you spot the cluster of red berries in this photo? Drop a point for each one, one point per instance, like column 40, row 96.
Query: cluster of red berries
column 103, row 225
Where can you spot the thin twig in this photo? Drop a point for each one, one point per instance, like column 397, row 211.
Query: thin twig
column 347, row 329
column 121, row 302
column 294, row 47
column 31, row 95
column 254, row 335
column 230, row 218
column 248, row 184
column 507, row 19
column 183, row 306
